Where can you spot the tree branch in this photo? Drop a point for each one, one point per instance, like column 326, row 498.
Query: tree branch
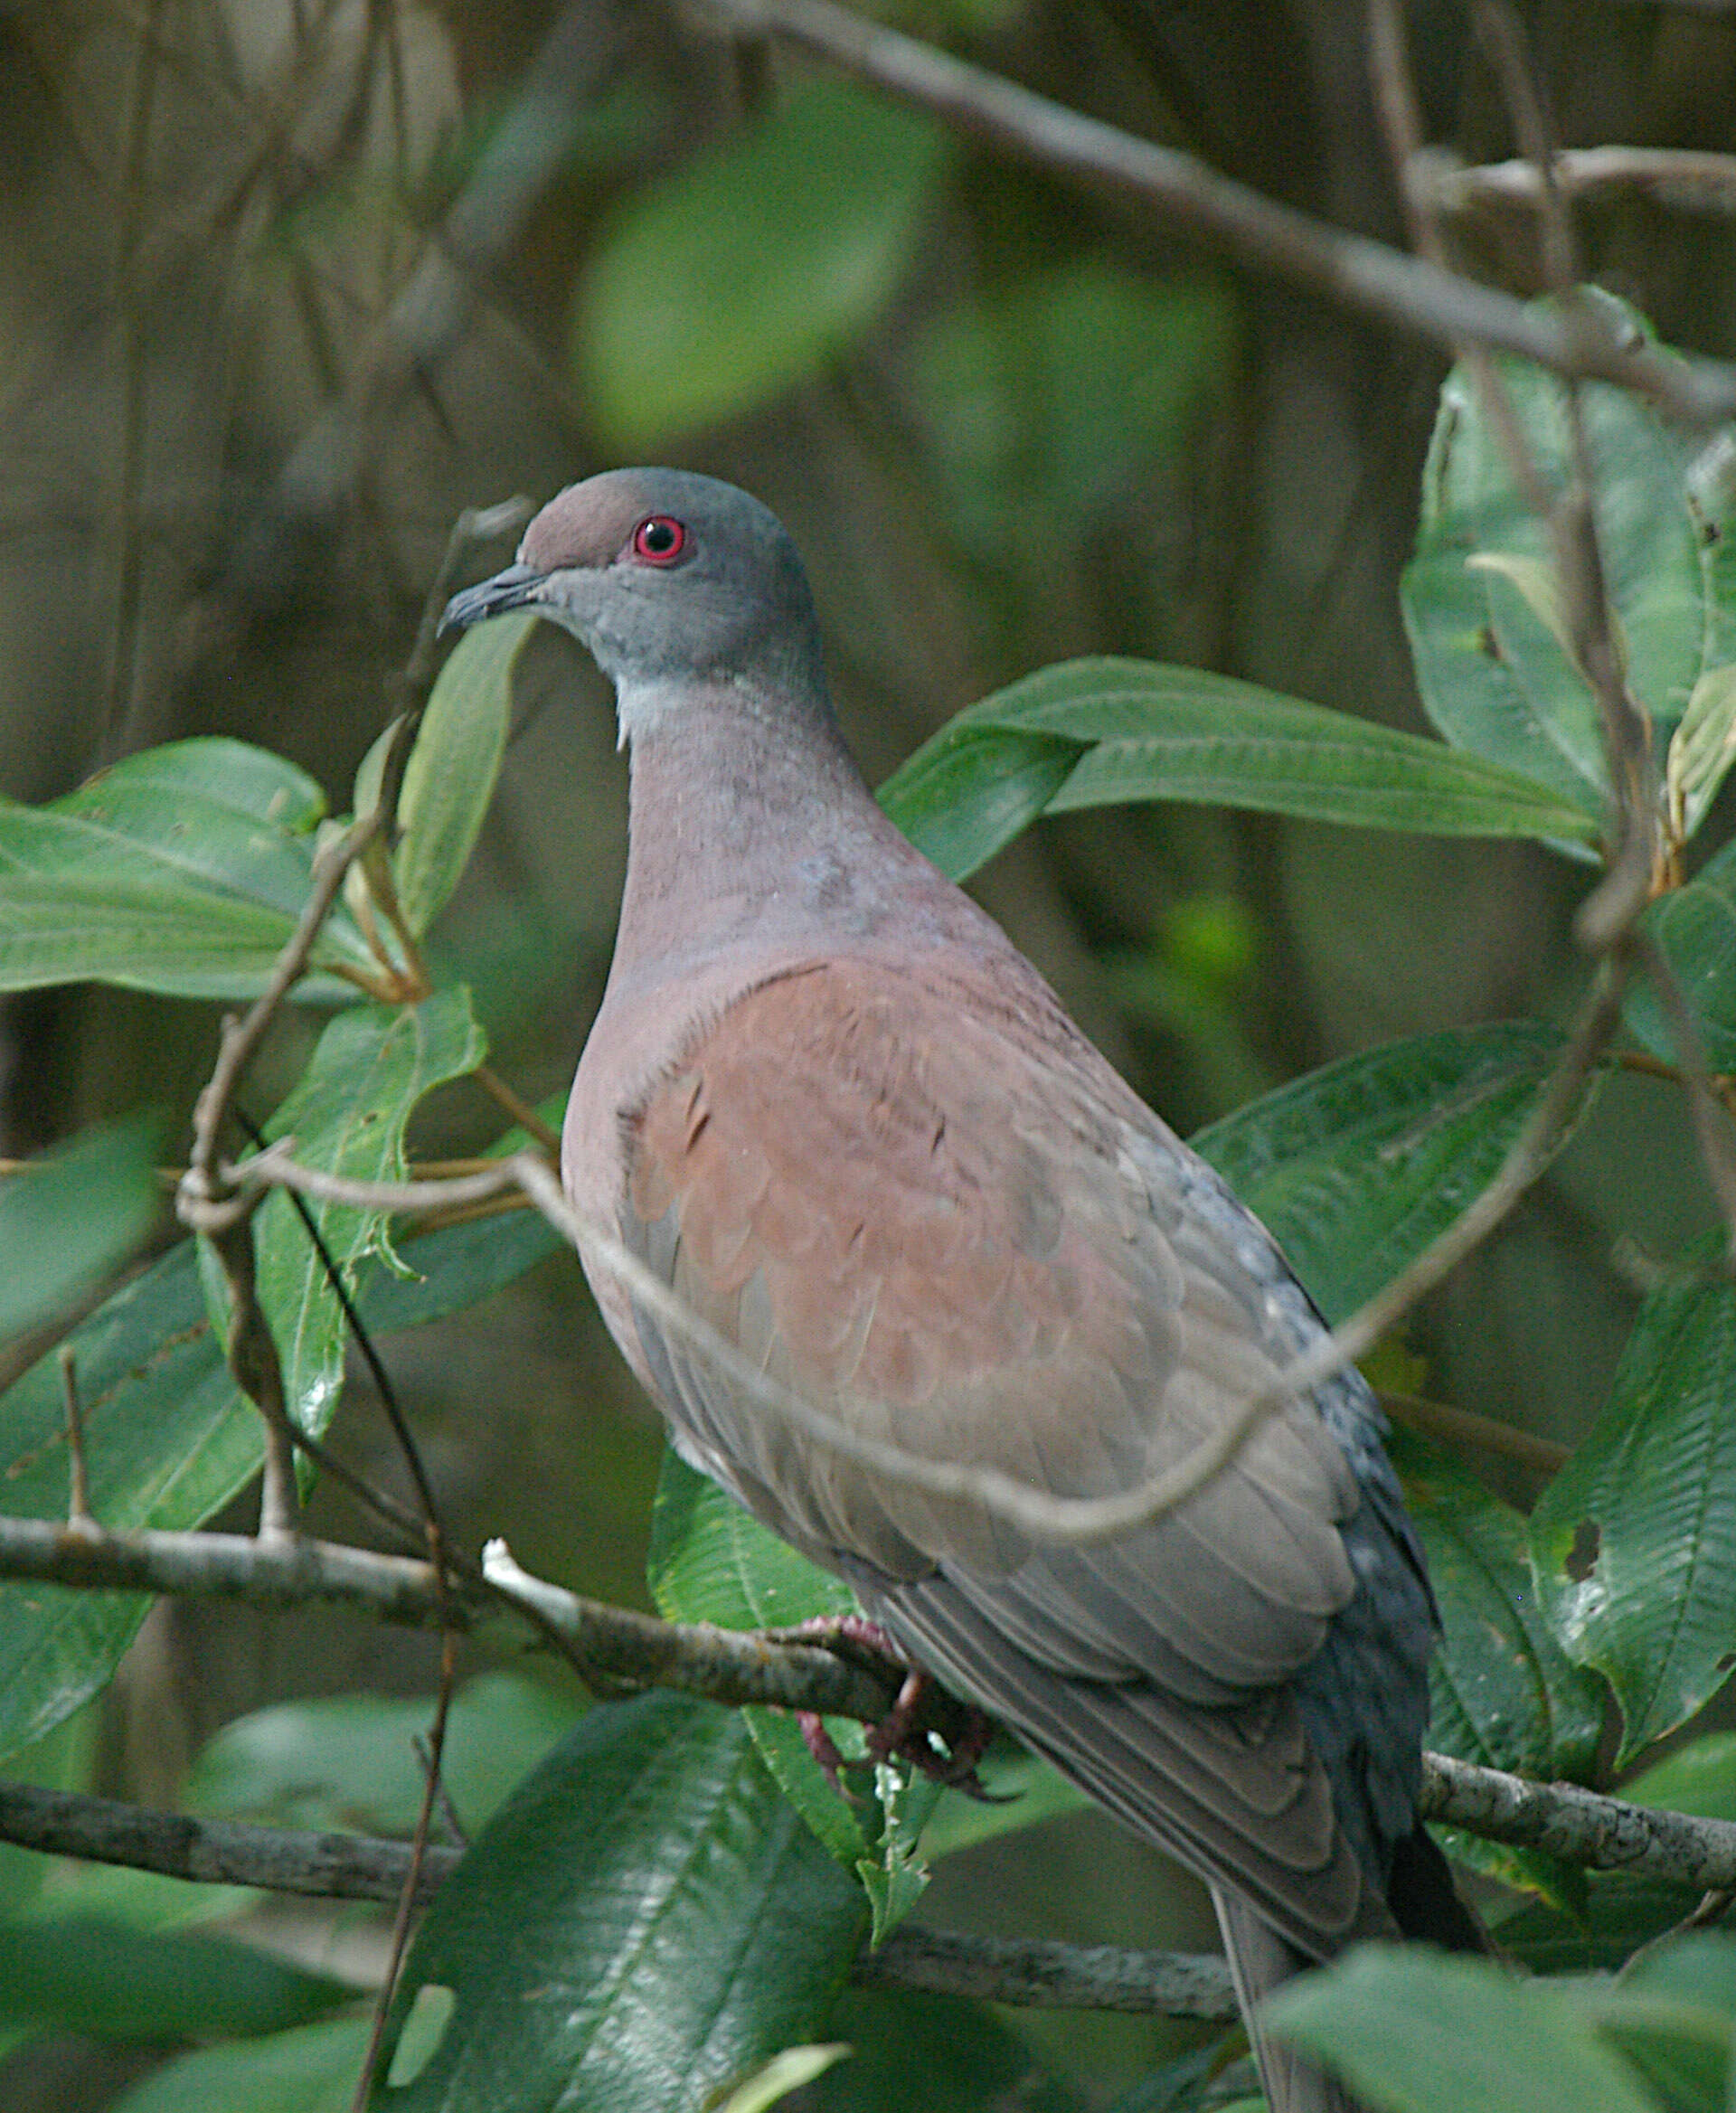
column 1408, row 292
column 737, row 1666
column 1032, row 1973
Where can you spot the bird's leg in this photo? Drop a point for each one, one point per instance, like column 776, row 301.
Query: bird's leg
column 922, row 1712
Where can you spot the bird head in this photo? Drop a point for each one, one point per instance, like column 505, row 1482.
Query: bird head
column 671, row 581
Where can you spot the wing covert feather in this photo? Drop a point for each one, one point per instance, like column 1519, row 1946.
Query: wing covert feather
column 955, row 1230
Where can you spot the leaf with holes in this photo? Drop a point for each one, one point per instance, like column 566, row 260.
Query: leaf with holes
column 644, row 1923
column 168, row 1441
column 182, row 870
column 1502, row 1691
column 1633, row 1545
column 347, row 1117
column 1090, row 734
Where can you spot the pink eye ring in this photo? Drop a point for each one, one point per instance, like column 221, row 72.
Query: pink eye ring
column 659, row 539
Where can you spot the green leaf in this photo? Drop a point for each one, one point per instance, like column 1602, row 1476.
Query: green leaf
column 1671, row 2015
column 643, row 1924
column 346, row 1116
column 743, row 273
column 181, row 871
column 1702, row 750
column 1483, row 602
column 1416, row 2032
column 1695, row 930
column 68, row 1218
column 1088, row 733
column 783, row 2074
column 168, row 1440
column 1502, row 1691
column 1504, row 1694
column 1047, row 396
column 1699, row 1777
column 310, row 2069
column 119, row 1983
column 1634, row 1543
column 933, row 2054
column 712, row 1560
column 349, row 1761
column 1357, row 1167
column 450, row 777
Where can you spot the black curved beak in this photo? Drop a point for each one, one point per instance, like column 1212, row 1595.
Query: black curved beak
column 510, row 590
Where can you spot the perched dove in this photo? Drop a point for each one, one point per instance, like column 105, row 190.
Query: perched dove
column 835, row 1108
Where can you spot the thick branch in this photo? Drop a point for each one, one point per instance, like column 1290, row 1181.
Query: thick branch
column 358, row 1867
column 1408, row 292
column 612, row 1645
column 727, row 1666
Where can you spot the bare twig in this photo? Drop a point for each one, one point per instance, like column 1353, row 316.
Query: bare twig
column 77, row 1495
column 1404, row 291
column 1464, row 1426
column 1581, row 1826
column 420, row 1846
column 1672, row 176
column 358, row 1867
column 611, row 1646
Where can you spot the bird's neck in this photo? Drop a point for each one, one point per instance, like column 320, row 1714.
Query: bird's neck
column 749, row 823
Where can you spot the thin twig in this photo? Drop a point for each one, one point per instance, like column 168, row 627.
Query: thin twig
column 520, row 1109
column 1678, row 176
column 78, row 1499
column 420, row 1846
column 1351, row 270
column 1464, row 1426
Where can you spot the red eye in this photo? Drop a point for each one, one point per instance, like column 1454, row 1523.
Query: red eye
column 660, row 540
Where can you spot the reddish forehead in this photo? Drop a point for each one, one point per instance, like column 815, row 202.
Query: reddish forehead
column 587, row 524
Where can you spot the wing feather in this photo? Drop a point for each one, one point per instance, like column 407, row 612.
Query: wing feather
column 955, row 1230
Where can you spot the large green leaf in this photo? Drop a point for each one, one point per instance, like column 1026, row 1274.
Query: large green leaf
column 1671, row 2015
column 1504, row 1694
column 1481, row 597
column 1090, row 734
column 712, row 1560
column 1634, row 1543
column 1417, row 2032
column 1357, row 1167
column 1695, row 930
column 450, row 778
column 644, row 1922
column 182, row 870
column 350, row 1760
column 70, row 1217
column 120, row 1984
column 346, row 1116
column 310, row 2069
column 745, row 272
